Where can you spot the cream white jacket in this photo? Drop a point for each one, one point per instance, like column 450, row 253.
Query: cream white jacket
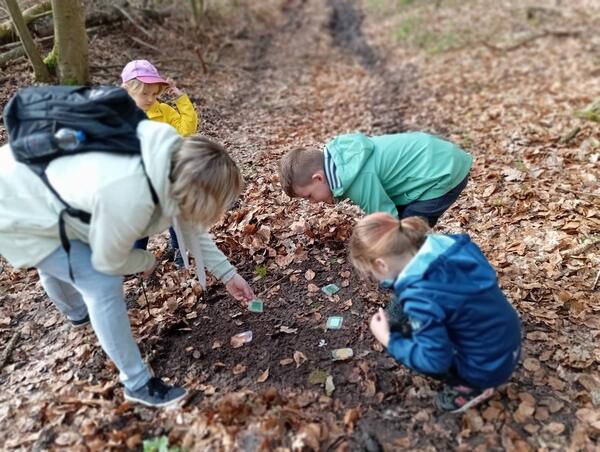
column 114, row 190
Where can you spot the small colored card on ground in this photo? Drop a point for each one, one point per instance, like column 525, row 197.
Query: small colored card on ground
column 341, row 354
column 240, row 339
column 330, row 289
column 256, row 305
column 334, row 322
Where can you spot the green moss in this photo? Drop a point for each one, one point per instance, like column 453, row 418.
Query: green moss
column 520, row 165
column 407, row 28
column 159, row 444
column 261, row 270
column 70, row 81
column 589, row 115
column 51, row 61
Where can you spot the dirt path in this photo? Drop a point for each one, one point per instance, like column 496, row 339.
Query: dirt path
column 294, row 73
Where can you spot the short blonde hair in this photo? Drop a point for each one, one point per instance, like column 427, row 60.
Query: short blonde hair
column 205, row 180
column 297, row 167
column 380, row 235
column 135, row 86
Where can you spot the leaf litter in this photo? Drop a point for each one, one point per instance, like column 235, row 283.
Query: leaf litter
column 531, row 204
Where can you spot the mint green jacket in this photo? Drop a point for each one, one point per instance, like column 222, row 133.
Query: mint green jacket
column 381, row 172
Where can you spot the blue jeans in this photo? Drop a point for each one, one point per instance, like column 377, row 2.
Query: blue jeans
column 432, row 209
column 101, row 297
column 142, row 244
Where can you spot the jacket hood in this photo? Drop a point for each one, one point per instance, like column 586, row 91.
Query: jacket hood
column 349, row 153
column 465, row 267
column 158, row 142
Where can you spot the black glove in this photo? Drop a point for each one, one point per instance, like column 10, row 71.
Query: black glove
column 398, row 320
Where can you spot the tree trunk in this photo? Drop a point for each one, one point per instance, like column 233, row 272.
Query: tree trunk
column 70, row 42
column 39, row 68
column 7, row 30
column 197, row 11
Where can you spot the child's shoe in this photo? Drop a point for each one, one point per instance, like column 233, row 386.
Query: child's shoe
column 457, row 399
column 178, row 259
column 80, row 323
column 155, row 393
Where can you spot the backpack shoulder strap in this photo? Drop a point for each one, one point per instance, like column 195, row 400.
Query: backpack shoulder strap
column 152, row 190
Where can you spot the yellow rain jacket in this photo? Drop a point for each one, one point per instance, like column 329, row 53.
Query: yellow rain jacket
column 184, row 119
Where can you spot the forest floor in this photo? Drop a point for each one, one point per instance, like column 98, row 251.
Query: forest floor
column 501, row 79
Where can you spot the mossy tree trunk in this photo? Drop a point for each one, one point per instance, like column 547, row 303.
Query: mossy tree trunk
column 197, row 11
column 39, row 68
column 70, row 42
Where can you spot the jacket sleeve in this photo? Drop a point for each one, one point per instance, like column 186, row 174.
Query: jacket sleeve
column 429, row 350
column 184, row 119
column 117, row 221
column 368, row 193
column 216, row 262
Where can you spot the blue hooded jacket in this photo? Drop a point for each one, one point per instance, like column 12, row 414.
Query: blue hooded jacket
column 459, row 316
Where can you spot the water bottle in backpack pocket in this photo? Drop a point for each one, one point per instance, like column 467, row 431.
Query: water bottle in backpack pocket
column 41, row 145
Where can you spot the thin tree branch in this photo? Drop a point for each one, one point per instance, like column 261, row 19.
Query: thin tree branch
column 145, row 44
column 127, row 16
column 556, row 33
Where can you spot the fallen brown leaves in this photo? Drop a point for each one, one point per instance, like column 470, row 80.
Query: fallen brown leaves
column 532, row 204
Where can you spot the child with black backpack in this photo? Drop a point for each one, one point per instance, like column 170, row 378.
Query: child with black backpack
column 451, row 320
column 144, row 84
column 74, row 218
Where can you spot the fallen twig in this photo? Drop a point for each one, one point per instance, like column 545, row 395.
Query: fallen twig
column 18, row 51
column 127, row 16
column 7, row 30
column 556, row 33
column 145, row 44
column 9, row 348
column 264, row 291
column 583, row 247
column 596, row 280
column 570, row 135
column 583, row 193
column 145, row 296
column 11, row 55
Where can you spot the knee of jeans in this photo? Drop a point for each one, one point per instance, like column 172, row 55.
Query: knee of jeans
column 104, row 293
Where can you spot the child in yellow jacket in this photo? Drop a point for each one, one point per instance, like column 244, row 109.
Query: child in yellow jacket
column 144, row 84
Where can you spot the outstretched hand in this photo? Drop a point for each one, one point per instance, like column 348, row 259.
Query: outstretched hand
column 380, row 327
column 239, row 289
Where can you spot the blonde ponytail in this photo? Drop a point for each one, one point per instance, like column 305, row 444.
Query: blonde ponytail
column 380, row 235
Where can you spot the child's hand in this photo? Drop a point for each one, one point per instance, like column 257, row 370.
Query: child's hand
column 239, row 289
column 172, row 89
column 380, row 327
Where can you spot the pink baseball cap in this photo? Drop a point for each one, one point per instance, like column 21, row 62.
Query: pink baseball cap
column 142, row 70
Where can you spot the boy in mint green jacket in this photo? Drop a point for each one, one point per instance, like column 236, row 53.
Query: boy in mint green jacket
column 405, row 174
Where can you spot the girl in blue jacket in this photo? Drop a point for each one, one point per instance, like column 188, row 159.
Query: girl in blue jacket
column 451, row 321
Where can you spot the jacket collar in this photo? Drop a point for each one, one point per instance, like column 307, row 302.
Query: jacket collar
column 435, row 245
column 154, row 111
column 331, row 171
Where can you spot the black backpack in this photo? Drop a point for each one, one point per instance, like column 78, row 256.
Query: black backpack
column 106, row 115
